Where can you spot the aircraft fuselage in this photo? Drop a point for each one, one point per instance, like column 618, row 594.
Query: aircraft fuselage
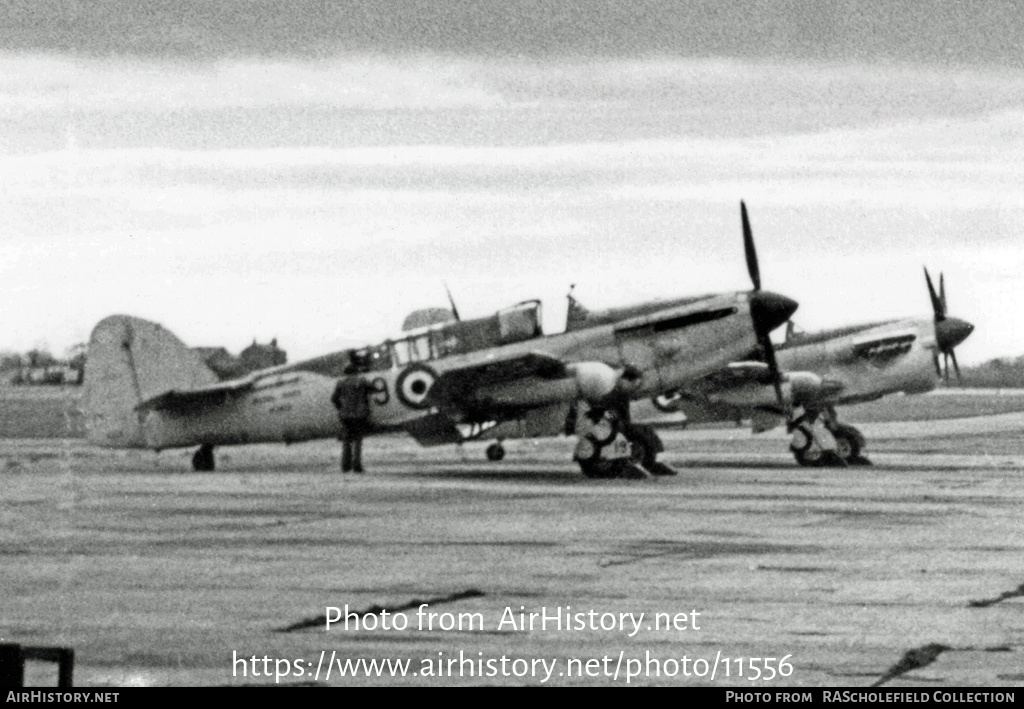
column 662, row 349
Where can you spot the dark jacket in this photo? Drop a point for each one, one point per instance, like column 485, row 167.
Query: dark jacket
column 350, row 397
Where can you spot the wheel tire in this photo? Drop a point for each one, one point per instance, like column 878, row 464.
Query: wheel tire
column 848, row 442
column 809, row 457
column 203, row 460
column 645, row 445
column 599, row 469
column 495, row 452
column 803, row 449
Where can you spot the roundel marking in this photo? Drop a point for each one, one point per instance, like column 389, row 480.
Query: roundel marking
column 414, row 384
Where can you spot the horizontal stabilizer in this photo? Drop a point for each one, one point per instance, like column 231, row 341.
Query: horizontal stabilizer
column 188, row 400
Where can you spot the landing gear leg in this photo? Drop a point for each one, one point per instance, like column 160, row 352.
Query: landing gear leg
column 203, row 460
column 609, row 447
column 812, row 442
column 495, row 451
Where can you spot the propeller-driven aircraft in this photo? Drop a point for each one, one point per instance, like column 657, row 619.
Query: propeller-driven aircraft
column 446, row 381
column 823, row 370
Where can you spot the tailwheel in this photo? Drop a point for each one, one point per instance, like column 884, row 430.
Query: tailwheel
column 495, row 451
column 203, row 460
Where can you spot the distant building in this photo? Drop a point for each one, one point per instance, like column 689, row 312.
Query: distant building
column 257, row 356
column 254, row 357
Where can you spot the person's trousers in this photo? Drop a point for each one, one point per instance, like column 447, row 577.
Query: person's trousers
column 352, row 454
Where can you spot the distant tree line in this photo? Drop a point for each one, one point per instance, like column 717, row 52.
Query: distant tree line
column 39, row 366
column 1002, row 373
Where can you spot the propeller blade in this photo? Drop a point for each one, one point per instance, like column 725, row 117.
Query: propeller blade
column 768, row 310
column 748, row 246
column 938, row 367
column 942, row 294
column 936, row 304
column 455, row 311
column 773, row 366
column 952, row 353
column 945, row 362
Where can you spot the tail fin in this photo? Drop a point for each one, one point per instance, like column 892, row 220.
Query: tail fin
column 131, row 360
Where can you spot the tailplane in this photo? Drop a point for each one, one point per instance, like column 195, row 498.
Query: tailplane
column 129, row 361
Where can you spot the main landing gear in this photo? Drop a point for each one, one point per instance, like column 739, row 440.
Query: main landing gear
column 819, row 440
column 203, row 461
column 610, row 447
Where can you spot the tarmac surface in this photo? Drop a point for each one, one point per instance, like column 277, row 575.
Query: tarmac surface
column 907, row 573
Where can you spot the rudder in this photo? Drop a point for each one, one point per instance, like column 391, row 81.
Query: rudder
column 129, row 361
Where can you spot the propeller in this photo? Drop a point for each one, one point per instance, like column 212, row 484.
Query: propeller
column 768, row 310
column 949, row 332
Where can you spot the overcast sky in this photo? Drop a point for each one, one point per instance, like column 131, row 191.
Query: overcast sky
column 313, row 171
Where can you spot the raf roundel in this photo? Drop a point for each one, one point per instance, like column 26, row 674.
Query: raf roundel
column 414, row 384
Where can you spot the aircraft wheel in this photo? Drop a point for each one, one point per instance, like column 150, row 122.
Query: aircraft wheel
column 809, row 457
column 203, row 460
column 600, row 469
column 644, row 444
column 495, row 452
column 849, row 442
column 661, row 469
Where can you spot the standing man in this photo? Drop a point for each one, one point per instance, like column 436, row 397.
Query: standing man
column 351, row 400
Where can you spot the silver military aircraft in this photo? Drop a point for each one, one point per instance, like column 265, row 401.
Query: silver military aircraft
column 442, row 382
column 823, row 370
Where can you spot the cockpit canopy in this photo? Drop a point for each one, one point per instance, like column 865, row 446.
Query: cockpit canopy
column 443, row 337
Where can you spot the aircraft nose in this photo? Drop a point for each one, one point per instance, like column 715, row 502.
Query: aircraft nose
column 769, row 310
column 951, row 332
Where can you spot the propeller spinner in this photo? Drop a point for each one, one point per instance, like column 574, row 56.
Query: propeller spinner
column 949, row 332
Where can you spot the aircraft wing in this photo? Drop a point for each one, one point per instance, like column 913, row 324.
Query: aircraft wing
column 462, row 385
column 732, row 375
column 187, row 400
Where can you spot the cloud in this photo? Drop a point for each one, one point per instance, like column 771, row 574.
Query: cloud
column 232, row 202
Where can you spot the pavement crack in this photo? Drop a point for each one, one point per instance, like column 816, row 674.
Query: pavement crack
column 318, row 621
column 1015, row 593
column 912, row 660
